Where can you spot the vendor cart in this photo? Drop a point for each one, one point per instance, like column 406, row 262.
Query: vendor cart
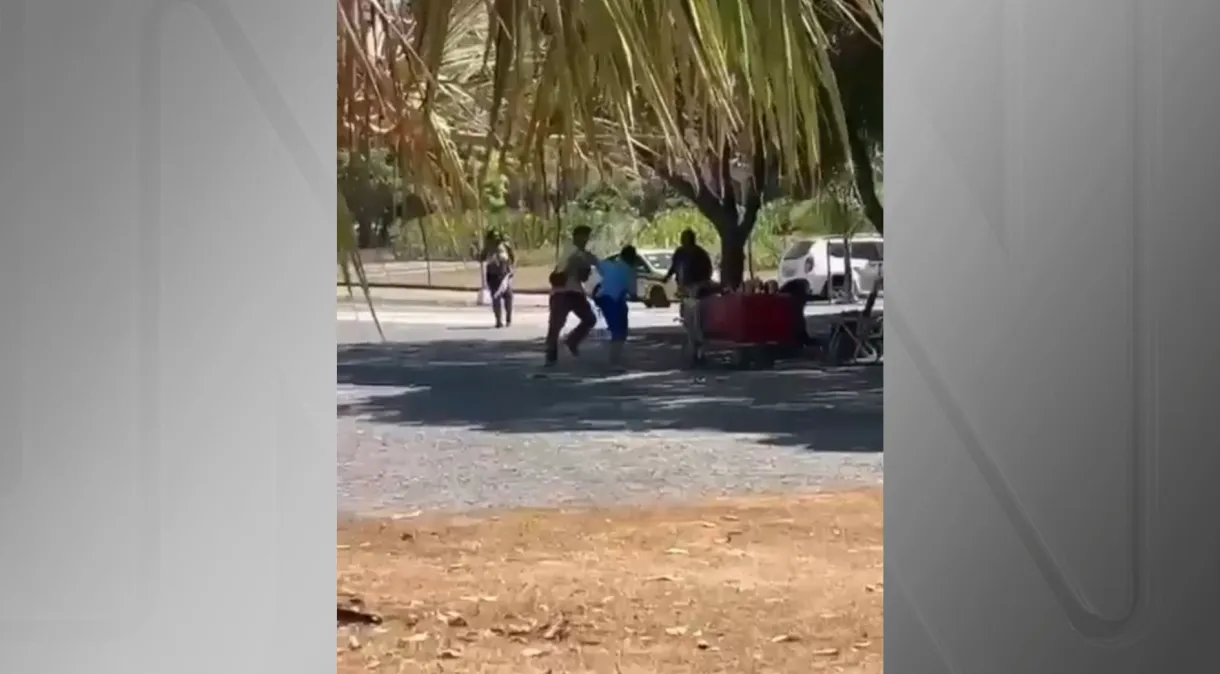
column 753, row 329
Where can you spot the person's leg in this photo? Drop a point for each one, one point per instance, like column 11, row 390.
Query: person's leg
column 579, row 305
column 507, row 297
column 616, row 314
column 694, row 324
column 497, row 308
column 557, row 315
column 493, row 291
column 602, row 302
column 507, row 293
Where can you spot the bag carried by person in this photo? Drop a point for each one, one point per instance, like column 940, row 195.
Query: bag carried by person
column 577, row 263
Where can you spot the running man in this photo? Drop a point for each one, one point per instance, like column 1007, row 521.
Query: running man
column 618, row 285
column 568, row 297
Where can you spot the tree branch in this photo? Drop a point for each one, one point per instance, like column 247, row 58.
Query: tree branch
column 764, row 164
column 866, row 184
column 654, row 161
column 728, row 194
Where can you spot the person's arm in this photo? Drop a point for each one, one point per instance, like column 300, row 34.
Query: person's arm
column 600, row 267
column 633, row 284
column 707, row 265
column 673, row 265
column 607, row 271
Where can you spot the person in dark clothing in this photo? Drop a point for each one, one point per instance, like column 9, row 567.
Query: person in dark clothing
column 568, row 297
column 498, row 265
column 691, row 265
column 693, row 268
column 798, row 298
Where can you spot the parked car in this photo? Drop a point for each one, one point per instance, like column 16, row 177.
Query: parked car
column 871, row 274
column 817, row 265
column 653, row 290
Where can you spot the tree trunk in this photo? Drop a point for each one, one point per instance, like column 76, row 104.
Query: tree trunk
column 423, row 238
column 364, row 234
column 849, row 274
column 384, row 231
column 732, row 256
column 732, row 243
column 721, row 208
column 866, row 184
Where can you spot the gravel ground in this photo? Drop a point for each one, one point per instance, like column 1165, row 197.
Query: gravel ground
column 453, row 419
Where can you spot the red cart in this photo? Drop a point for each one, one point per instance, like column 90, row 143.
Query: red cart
column 752, row 328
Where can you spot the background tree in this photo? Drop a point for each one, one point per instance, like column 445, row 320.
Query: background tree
column 578, row 79
column 858, row 64
column 730, row 182
column 371, row 187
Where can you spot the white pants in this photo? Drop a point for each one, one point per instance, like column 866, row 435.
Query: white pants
column 692, row 320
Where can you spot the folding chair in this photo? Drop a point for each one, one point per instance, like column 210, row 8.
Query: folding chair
column 858, row 338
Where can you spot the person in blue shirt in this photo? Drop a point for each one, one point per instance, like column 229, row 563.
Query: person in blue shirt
column 617, row 287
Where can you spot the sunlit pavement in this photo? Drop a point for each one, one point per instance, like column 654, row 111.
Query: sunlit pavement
column 406, row 315
column 450, row 413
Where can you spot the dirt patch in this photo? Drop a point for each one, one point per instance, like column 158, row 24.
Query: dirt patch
column 767, row 584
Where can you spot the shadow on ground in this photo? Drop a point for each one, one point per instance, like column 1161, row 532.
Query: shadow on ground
column 497, row 386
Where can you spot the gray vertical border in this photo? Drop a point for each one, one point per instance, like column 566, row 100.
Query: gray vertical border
column 12, row 46
column 175, row 527
column 317, row 174
column 149, row 255
column 1156, row 93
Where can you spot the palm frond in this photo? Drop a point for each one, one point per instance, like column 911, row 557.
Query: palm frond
column 569, row 82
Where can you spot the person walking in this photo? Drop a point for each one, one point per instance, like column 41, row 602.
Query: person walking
column 498, row 266
column 568, row 297
column 618, row 285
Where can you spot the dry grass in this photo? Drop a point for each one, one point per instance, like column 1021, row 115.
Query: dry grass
column 768, row 584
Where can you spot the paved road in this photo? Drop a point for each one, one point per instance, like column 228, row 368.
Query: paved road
column 530, row 313
column 407, row 272
column 420, row 296
column 450, row 414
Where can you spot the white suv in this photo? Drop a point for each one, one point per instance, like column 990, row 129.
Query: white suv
column 817, row 264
